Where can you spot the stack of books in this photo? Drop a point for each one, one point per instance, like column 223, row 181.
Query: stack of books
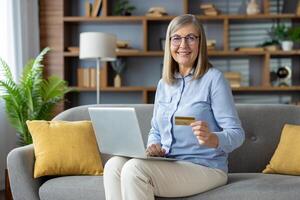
column 86, row 77
column 209, row 9
column 234, row 78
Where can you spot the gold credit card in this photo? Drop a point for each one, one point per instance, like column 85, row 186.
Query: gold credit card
column 184, row 121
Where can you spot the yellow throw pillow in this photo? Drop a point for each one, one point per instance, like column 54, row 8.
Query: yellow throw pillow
column 64, row 148
column 286, row 159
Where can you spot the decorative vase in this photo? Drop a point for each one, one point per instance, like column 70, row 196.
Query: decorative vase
column 252, row 8
column 287, row 45
column 117, row 81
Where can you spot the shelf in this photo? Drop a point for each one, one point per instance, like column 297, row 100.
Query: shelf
column 104, row 19
column 236, row 53
column 141, row 53
column 263, row 16
column 114, row 89
column 254, row 53
column 285, row 53
column 210, row 53
column 135, row 54
column 266, row 89
column 116, row 19
column 153, row 89
column 169, row 18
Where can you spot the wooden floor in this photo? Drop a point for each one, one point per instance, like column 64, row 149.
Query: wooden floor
column 2, row 195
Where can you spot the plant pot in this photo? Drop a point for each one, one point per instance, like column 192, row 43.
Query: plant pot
column 117, row 81
column 287, row 45
column 126, row 13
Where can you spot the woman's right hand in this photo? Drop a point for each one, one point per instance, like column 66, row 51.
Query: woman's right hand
column 155, row 150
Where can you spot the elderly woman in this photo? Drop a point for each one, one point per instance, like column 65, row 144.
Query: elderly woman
column 190, row 87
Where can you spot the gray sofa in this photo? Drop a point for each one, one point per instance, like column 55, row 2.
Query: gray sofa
column 262, row 124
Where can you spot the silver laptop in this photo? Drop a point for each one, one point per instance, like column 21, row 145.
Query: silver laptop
column 118, row 131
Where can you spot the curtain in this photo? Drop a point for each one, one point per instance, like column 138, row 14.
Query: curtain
column 19, row 36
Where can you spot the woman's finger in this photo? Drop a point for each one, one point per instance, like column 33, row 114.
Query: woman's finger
column 199, row 123
column 200, row 128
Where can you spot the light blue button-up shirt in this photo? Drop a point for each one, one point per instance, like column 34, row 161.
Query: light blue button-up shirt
column 207, row 99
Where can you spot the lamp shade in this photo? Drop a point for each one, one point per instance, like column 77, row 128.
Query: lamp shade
column 97, row 45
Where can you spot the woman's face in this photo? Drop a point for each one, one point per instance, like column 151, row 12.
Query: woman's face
column 184, row 45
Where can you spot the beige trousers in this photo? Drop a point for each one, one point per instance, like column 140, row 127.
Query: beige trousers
column 138, row 179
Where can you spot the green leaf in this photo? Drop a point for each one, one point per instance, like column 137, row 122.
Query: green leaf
column 5, row 70
column 33, row 98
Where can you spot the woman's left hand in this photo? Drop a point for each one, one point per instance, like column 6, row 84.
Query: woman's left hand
column 204, row 136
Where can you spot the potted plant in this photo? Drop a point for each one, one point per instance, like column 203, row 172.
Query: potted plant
column 287, row 36
column 118, row 67
column 32, row 97
column 270, row 45
column 122, row 7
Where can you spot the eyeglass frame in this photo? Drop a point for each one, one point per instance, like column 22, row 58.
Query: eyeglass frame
column 185, row 39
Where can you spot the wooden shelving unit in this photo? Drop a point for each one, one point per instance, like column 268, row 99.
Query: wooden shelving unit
column 151, row 89
column 128, row 19
column 55, row 32
column 210, row 53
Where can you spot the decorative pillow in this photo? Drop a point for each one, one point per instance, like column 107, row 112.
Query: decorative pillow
column 286, row 159
column 64, row 148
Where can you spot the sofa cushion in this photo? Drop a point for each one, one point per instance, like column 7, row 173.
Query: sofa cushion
column 73, row 187
column 64, row 148
column 286, row 159
column 241, row 186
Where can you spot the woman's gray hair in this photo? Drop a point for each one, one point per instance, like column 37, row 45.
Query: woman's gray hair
column 170, row 66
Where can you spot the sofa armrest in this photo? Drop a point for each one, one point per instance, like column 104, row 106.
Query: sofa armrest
column 20, row 165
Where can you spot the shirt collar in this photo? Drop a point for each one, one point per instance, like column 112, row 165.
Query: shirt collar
column 178, row 75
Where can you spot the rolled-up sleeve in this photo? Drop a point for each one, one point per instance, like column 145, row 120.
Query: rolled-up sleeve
column 154, row 135
column 232, row 134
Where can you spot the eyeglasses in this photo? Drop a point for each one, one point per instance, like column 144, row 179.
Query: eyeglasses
column 190, row 39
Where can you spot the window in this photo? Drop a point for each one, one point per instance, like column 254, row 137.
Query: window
column 6, row 35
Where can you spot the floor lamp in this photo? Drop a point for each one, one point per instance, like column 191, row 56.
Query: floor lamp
column 99, row 46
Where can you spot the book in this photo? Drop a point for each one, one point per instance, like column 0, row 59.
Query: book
column 211, row 13
column 254, row 49
column 93, row 77
column 127, row 50
column 232, row 75
column 80, row 77
column 73, row 49
column 234, row 78
column 211, row 48
column 206, row 5
column 86, row 77
column 213, row 9
column 96, row 8
column 87, row 8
